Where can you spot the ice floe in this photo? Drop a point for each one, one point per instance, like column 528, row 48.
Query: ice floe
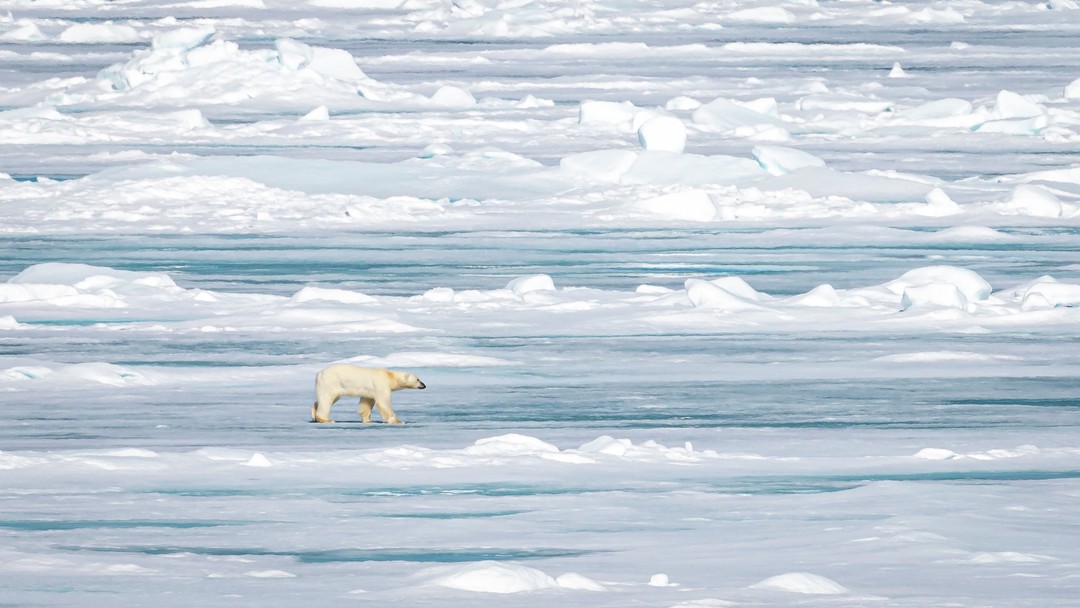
column 190, row 66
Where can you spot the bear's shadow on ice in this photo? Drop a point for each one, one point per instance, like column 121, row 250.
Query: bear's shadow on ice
column 358, row 424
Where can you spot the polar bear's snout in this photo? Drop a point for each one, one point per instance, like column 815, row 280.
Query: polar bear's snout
column 420, row 383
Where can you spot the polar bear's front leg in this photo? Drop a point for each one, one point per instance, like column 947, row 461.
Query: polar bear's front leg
column 366, row 404
column 387, row 412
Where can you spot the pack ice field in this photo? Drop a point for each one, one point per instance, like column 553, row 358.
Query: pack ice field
column 768, row 303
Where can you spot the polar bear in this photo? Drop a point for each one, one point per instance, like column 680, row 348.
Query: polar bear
column 372, row 384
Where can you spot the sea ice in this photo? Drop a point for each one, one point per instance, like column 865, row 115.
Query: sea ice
column 491, row 577
column 512, row 444
column 601, row 165
column 1030, row 199
column 765, row 14
column 690, row 205
column 83, row 33
column 823, row 296
column 662, row 134
column 573, row 580
column 189, row 65
column 937, row 454
column 310, row 294
column 1010, row 105
column 724, row 115
column 659, row 580
column 706, row 339
column 940, row 279
column 722, row 294
column 607, row 113
column 527, row 284
column 778, row 160
column 27, row 31
column 428, row 359
column 1050, row 293
column 269, row 574
column 1072, row 90
column 258, row 460
column 802, row 582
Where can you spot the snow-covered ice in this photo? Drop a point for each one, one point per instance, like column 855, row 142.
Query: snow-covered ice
column 717, row 304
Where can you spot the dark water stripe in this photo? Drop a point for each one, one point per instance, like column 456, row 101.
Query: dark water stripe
column 347, row 555
column 41, row 525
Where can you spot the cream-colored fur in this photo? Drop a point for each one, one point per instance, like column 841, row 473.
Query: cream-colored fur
column 372, row 384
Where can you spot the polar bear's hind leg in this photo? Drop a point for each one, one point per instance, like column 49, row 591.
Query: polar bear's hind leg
column 320, row 411
column 366, row 403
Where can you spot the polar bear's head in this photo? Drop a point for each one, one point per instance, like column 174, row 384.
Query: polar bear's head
column 408, row 380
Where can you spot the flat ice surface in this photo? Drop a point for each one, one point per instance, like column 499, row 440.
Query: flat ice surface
column 718, row 304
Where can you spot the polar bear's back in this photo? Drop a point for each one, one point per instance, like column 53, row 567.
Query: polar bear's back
column 342, row 379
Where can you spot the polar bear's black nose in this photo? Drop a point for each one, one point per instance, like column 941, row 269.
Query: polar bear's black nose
column 422, row 385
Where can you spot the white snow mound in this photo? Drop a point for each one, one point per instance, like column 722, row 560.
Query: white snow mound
column 944, row 286
column 497, row 577
column 802, row 582
column 527, row 284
